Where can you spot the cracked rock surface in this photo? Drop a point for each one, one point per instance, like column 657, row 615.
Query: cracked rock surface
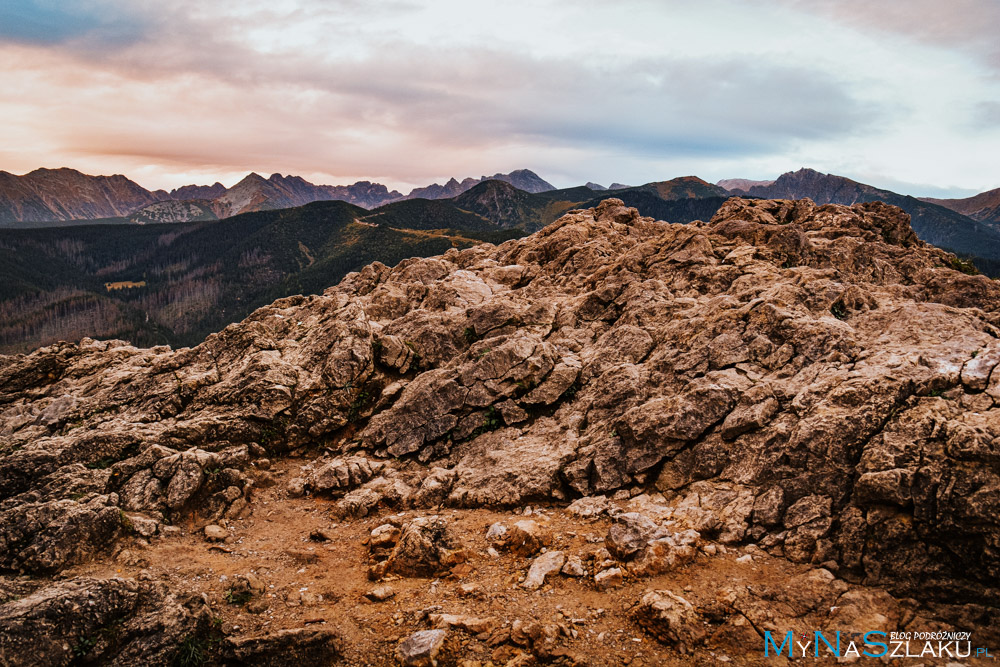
column 810, row 379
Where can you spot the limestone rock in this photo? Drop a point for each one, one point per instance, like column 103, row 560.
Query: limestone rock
column 342, row 474
column 589, row 507
column 299, row 645
column 630, row 533
column 670, row 619
column 421, row 649
column 49, row 536
column 471, row 624
column 425, row 546
column 380, row 593
column 810, row 378
column 61, row 623
column 527, row 538
column 609, row 578
column 215, row 533
column 574, row 567
column 548, row 563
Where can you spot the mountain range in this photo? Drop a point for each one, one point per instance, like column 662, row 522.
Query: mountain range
column 192, row 274
column 522, row 179
column 177, row 282
column 68, row 196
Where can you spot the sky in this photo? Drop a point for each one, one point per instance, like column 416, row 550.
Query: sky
column 901, row 95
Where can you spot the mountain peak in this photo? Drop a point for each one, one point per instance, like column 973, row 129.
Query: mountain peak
column 252, row 177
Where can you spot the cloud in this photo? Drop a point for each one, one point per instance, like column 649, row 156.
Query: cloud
column 966, row 25
column 409, row 91
column 986, row 116
column 401, row 105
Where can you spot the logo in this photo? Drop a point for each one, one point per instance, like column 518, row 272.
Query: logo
column 874, row 644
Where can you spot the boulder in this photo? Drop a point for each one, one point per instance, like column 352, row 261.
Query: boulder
column 421, row 649
column 671, row 620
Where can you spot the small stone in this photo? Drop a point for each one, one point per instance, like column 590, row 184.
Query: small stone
column 496, row 533
column 257, row 606
column 215, row 533
column 380, row 593
column 296, row 487
column 421, row 649
column 609, row 578
column 574, row 567
column 589, row 507
column 469, row 590
column 321, row 535
column 472, row 624
column 543, row 566
column 527, row 538
column 143, row 525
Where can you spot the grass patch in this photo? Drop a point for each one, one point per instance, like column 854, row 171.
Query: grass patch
column 238, row 599
column 102, row 463
column 358, row 405
column 83, row 646
column 193, row 652
column 492, row 420
column 963, row 265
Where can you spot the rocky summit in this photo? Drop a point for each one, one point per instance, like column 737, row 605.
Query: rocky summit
column 616, row 441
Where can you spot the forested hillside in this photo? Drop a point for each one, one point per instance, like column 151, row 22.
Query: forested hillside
column 176, row 283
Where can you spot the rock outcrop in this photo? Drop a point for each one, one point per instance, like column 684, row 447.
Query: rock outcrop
column 110, row 621
column 812, row 379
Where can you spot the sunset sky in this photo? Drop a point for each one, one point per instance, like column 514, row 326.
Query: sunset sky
column 903, row 95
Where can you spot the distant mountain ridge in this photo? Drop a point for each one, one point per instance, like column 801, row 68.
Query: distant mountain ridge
column 62, row 195
column 67, row 194
column 738, row 185
column 984, row 207
column 522, row 179
column 256, row 193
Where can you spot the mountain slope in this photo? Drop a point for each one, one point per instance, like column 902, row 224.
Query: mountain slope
column 682, row 199
column 502, row 204
column 427, row 214
column 255, row 193
column 67, row 194
column 177, row 283
column 188, row 192
column 193, row 210
column 984, row 207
